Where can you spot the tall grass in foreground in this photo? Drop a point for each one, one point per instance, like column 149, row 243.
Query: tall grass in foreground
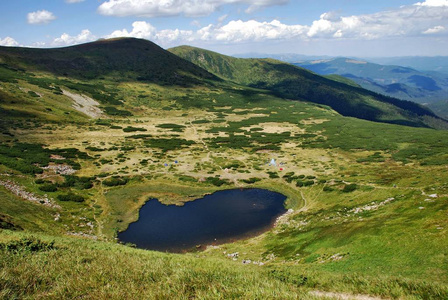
column 72, row 268
column 83, row 269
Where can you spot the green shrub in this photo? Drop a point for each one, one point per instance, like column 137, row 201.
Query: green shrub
column 133, row 129
column 327, row 189
column 349, row 188
column 251, row 180
column 273, row 175
column 71, row 197
column 308, row 183
column 28, row 244
column 112, row 111
column 49, row 187
column 115, row 181
column 216, row 181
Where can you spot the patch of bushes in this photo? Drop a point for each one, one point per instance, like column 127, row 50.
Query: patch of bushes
column 48, row 187
column 200, row 121
column 94, row 149
column 302, row 183
column 327, row 189
column 133, row 129
column 173, row 127
column 216, row 181
column 81, row 183
column 273, row 175
column 71, row 197
column 251, row 180
column 348, row 188
column 27, row 244
column 112, row 111
column 115, row 181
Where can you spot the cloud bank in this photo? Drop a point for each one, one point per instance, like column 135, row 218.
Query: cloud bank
column 164, row 8
column 421, row 20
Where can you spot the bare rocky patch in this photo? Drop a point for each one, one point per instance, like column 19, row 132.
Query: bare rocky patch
column 85, row 104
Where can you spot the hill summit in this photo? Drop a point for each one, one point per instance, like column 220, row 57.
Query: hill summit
column 122, row 58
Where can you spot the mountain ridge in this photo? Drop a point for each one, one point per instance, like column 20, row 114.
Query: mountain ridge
column 288, row 81
column 130, row 59
column 122, row 58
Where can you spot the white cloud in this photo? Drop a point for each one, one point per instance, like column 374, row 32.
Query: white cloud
column 8, row 41
column 73, row 1
column 405, row 21
column 140, row 29
column 433, row 3
column 434, row 30
column 68, row 40
column 162, row 8
column 40, row 17
column 232, row 32
column 240, row 31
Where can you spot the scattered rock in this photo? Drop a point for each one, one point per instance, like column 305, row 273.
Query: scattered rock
column 372, row 206
column 233, row 255
column 22, row 193
column 61, row 169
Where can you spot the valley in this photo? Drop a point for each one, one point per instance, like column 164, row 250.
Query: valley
column 367, row 196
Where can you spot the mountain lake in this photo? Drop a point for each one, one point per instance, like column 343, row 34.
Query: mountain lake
column 218, row 218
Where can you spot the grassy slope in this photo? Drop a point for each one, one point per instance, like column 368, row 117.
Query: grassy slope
column 77, row 268
column 119, row 59
column 297, row 83
column 397, row 250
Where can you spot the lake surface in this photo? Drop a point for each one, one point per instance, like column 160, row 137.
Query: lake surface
column 218, row 218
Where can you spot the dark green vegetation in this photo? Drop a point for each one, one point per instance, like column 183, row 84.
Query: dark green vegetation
column 291, row 82
column 119, row 59
column 368, row 199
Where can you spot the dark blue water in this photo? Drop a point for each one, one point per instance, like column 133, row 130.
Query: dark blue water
column 218, row 218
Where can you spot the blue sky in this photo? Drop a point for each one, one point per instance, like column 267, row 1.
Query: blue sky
column 327, row 27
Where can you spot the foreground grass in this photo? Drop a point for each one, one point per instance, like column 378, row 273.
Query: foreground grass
column 58, row 267
column 84, row 269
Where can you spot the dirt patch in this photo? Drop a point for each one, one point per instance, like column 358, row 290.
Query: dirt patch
column 342, row 296
column 85, row 104
column 313, row 121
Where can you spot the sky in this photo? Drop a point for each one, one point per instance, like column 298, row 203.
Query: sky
column 360, row 28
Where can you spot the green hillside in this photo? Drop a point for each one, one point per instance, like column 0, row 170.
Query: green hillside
column 116, row 59
column 288, row 81
column 367, row 201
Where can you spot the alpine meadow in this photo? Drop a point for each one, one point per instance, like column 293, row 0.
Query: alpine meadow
column 89, row 133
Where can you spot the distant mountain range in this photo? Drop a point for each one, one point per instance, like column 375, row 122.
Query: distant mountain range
column 429, row 88
column 421, row 63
